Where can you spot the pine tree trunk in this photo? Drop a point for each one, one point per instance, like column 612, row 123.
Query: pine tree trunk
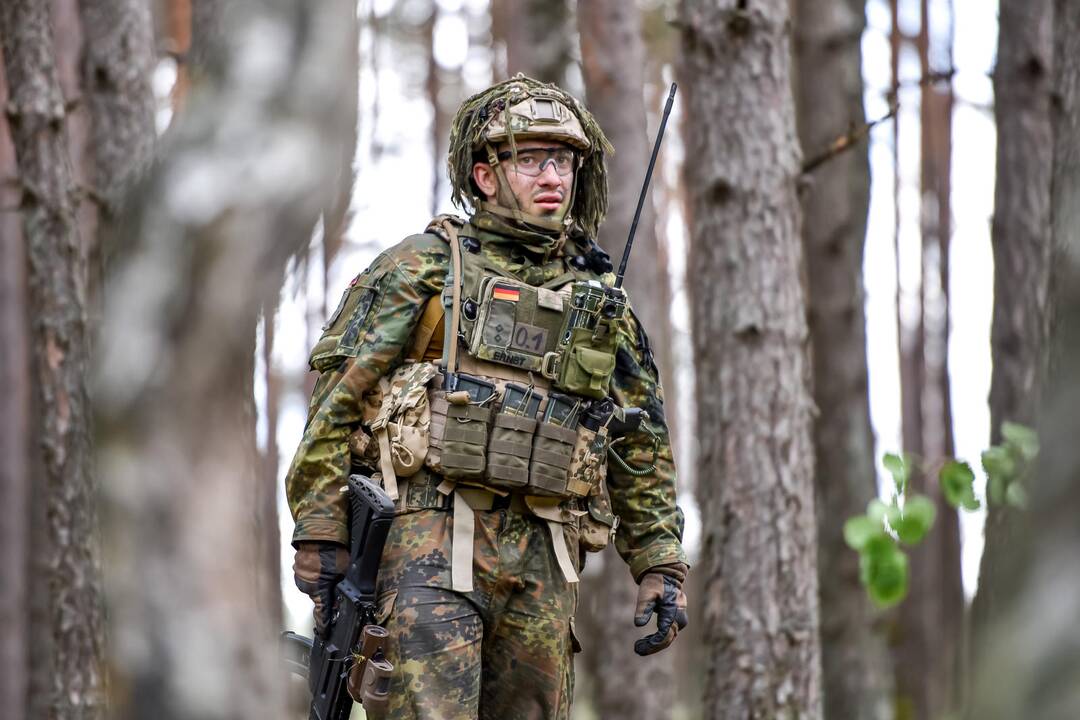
column 57, row 286
column 754, row 405
column 1029, row 663
column 118, row 59
column 534, row 36
column 190, row 638
column 613, row 64
column 1021, row 238
column 931, row 619
column 16, row 423
column 857, row 670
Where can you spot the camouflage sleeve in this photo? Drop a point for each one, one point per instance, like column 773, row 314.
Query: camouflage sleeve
column 651, row 524
column 363, row 340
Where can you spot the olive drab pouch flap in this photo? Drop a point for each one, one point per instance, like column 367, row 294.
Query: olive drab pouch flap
column 345, row 329
column 553, row 447
column 510, row 445
column 584, row 358
column 509, row 450
column 517, row 324
column 459, row 436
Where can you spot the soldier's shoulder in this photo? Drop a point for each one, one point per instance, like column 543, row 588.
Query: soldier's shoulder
column 427, row 249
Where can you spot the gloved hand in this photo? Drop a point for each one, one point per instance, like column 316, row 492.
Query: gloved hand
column 318, row 567
column 660, row 589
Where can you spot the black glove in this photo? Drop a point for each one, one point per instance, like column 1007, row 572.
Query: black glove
column 318, row 567
column 660, row 589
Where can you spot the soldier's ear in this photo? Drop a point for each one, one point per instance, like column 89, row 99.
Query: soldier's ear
column 485, row 179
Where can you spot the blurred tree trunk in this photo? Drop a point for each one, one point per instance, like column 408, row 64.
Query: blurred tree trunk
column 118, row 59
column 754, row 405
column 36, row 114
column 16, row 425
column 1030, row 665
column 439, row 128
column 856, row 667
column 268, row 534
column 534, row 36
column 261, row 134
column 1021, row 237
column 613, row 64
column 931, row 619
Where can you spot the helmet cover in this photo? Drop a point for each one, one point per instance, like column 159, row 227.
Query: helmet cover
column 522, row 108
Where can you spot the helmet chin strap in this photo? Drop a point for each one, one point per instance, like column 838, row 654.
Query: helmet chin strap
column 505, row 199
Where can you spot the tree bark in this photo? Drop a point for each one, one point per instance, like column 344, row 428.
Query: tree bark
column 534, row 36
column 754, row 405
column 1030, row 664
column 57, row 294
column 613, row 64
column 931, row 619
column 1021, row 239
column 16, row 423
column 250, row 165
column 857, row 670
column 118, row 59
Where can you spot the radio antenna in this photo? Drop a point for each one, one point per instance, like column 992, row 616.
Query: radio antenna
column 645, row 187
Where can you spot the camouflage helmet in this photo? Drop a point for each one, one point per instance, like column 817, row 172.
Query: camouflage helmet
column 522, row 108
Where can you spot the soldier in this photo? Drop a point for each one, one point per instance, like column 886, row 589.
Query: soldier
column 479, row 369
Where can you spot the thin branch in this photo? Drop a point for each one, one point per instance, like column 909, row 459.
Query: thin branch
column 846, row 141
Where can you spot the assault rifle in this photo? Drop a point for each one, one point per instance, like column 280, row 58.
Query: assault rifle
column 327, row 662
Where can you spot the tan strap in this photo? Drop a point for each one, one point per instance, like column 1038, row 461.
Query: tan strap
column 455, row 297
column 461, row 563
column 386, row 463
column 562, row 554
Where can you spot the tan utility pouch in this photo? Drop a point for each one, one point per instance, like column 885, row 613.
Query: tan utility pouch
column 552, row 449
column 402, row 425
column 588, row 464
column 459, row 438
column 598, row 526
column 509, row 451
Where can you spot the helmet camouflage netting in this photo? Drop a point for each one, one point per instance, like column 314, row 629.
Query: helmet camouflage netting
column 523, row 108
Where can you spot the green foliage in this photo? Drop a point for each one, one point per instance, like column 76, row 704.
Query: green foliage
column 958, row 485
column 883, row 571
column 899, row 466
column 878, row 534
column 1009, row 465
column 916, row 519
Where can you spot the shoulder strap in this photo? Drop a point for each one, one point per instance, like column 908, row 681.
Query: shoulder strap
column 450, row 352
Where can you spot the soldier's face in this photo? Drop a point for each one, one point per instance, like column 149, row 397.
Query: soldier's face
column 537, row 184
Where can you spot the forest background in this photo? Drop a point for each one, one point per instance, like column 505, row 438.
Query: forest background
column 861, row 240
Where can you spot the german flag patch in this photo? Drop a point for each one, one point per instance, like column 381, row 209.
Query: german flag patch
column 502, row 292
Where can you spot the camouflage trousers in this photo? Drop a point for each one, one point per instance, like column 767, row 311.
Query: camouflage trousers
column 502, row 651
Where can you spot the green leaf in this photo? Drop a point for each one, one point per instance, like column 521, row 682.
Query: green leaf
column 860, row 530
column 883, row 570
column 876, row 510
column 1021, row 437
column 957, row 484
column 899, row 467
column 1000, row 470
column 917, row 519
column 1016, row 495
column 893, row 515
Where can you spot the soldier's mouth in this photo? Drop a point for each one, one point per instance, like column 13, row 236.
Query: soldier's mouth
column 549, row 200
